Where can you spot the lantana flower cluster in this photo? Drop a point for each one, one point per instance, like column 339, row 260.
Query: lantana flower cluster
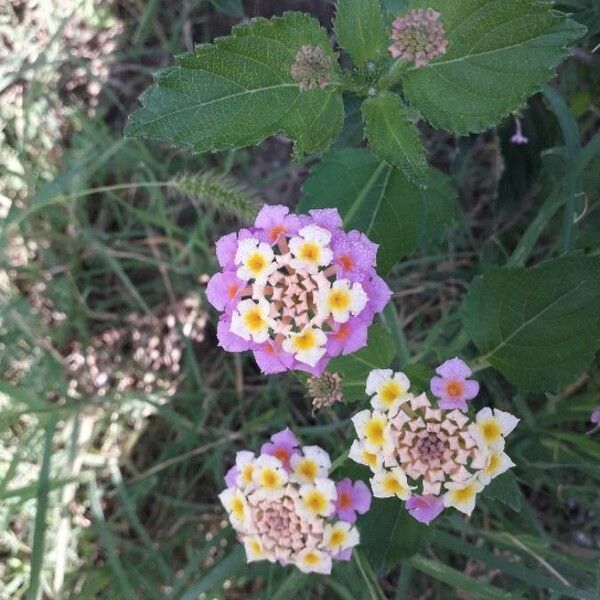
column 296, row 289
column 430, row 456
column 285, row 507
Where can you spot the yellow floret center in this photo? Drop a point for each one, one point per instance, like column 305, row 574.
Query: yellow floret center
column 255, row 547
column 494, row 464
column 338, row 537
column 309, row 251
column 491, row 430
column 316, row 501
column 254, row 320
column 463, row 495
column 370, row 458
column 390, row 392
column 305, row 340
column 269, row 479
column 311, row 558
column 237, row 508
column 256, row 263
column 247, row 472
column 339, row 300
column 374, row 432
column 392, row 485
column 307, row 468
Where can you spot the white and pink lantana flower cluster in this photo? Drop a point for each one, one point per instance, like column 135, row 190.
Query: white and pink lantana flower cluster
column 296, row 289
column 431, row 457
column 285, row 507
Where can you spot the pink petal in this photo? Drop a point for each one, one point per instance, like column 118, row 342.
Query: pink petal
column 361, row 497
column 231, row 476
column 424, row 508
column 437, row 386
column 228, row 340
column 454, row 369
column 471, row 389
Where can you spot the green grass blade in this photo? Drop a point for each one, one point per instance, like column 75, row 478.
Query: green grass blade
column 107, row 541
column 39, row 532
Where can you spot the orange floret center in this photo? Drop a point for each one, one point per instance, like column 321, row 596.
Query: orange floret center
column 346, row 262
column 454, row 387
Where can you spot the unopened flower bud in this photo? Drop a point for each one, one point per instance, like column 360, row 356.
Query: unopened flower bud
column 325, row 390
column 311, row 68
column 418, row 36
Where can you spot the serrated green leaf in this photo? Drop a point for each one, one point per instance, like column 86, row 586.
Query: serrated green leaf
column 499, row 53
column 540, row 327
column 240, row 90
column 393, row 138
column 354, row 368
column 359, row 29
column 389, row 534
column 379, row 201
column 504, row 489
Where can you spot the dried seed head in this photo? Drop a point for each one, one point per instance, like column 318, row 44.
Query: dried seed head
column 144, row 356
column 418, row 36
column 311, row 68
column 325, row 390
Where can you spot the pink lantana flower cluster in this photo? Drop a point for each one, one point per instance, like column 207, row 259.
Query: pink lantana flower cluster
column 418, row 36
column 296, row 289
column 285, row 507
column 431, row 457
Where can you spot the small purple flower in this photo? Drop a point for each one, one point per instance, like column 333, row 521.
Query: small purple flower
column 518, row 137
column 276, row 221
column 352, row 499
column 425, row 508
column 283, row 445
column 452, row 388
column 353, row 253
column 223, row 290
column 347, row 337
column 596, row 417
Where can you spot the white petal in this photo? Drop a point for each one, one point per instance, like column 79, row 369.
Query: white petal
column 360, row 421
column 508, row 421
column 376, row 379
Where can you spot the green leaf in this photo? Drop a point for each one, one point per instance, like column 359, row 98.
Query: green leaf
column 540, row 326
column 392, row 137
column 389, row 534
column 240, row 90
column 379, row 201
column 499, row 53
column 504, row 489
column 359, row 29
column 354, row 368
